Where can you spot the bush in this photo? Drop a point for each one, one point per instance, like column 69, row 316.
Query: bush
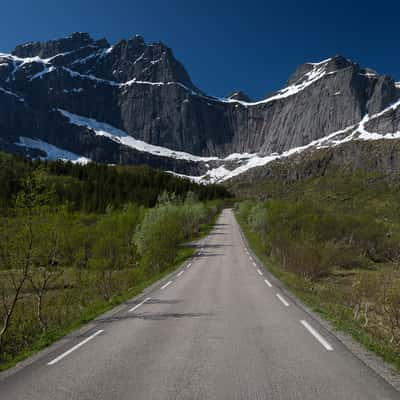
column 113, row 249
column 311, row 239
column 258, row 220
column 243, row 209
column 166, row 226
column 158, row 236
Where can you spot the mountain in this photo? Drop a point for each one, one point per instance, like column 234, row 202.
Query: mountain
column 82, row 99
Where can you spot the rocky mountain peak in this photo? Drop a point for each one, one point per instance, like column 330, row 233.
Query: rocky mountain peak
column 239, row 95
column 53, row 47
column 125, row 61
column 331, row 64
column 138, row 39
column 135, row 59
column 337, row 62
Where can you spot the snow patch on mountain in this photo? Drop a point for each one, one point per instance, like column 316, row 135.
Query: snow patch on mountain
column 309, row 78
column 249, row 161
column 363, row 134
column 12, row 94
column 46, row 70
column 237, row 163
column 97, row 54
column 122, row 137
column 52, row 152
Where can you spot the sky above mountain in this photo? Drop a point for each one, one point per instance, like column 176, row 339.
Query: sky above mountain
column 225, row 45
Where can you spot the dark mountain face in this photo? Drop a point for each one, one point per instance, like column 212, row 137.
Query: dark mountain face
column 141, row 91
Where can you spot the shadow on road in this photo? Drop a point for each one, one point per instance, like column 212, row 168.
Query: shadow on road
column 215, row 246
column 153, row 301
column 164, row 316
column 207, row 255
column 151, row 317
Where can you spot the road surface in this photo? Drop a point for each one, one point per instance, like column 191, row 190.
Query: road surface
column 218, row 328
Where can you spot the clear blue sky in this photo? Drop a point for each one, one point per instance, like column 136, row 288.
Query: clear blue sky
column 224, row 44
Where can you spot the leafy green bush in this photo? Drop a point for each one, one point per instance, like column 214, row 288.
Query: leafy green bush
column 113, row 249
column 158, row 236
column 166, row 226
column 312, row 238
column 243, row 209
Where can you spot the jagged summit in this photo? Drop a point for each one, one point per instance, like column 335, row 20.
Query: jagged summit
column 125, row 61
column 331, row 64
column 239, row 95
column 53, row 47
column 138, row 38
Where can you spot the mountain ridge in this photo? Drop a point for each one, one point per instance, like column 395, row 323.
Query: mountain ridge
column 143, row 91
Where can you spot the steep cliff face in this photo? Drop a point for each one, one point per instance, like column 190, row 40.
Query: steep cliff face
column 142, row 91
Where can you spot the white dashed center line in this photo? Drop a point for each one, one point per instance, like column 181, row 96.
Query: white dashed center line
column 267, row 282
column 138, row 305
column 180, row 273
column 282, row 300
column 76, row 347
column 259, row 272
column 166, row 285
column 317, row 336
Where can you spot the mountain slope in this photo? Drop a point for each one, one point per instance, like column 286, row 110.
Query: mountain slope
column 144, row 94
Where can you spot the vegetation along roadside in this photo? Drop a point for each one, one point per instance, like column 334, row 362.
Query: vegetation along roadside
column 77, row 240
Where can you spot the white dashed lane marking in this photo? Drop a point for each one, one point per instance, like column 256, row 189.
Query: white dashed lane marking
column 140, row 304
column 166, row 285
column 317, row 336
column 285, row 303
column 267, row 282
column 76, row 347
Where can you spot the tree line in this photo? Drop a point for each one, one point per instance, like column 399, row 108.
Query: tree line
column 94, row 187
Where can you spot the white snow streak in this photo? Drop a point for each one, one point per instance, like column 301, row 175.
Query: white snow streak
column 354, row 132
column 45, row 71
column 309, row 78
column 122, row 137
column 12, row 94
column 52, row 152
column 245, row 161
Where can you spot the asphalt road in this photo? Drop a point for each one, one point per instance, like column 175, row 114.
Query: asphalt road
column 219, row 328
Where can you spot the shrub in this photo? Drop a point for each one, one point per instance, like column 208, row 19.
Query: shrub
column 258, row 220
column 243, row 209
column 158, row 236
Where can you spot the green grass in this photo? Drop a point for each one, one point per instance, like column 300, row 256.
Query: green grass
column 338, row 315
column 98, row 308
